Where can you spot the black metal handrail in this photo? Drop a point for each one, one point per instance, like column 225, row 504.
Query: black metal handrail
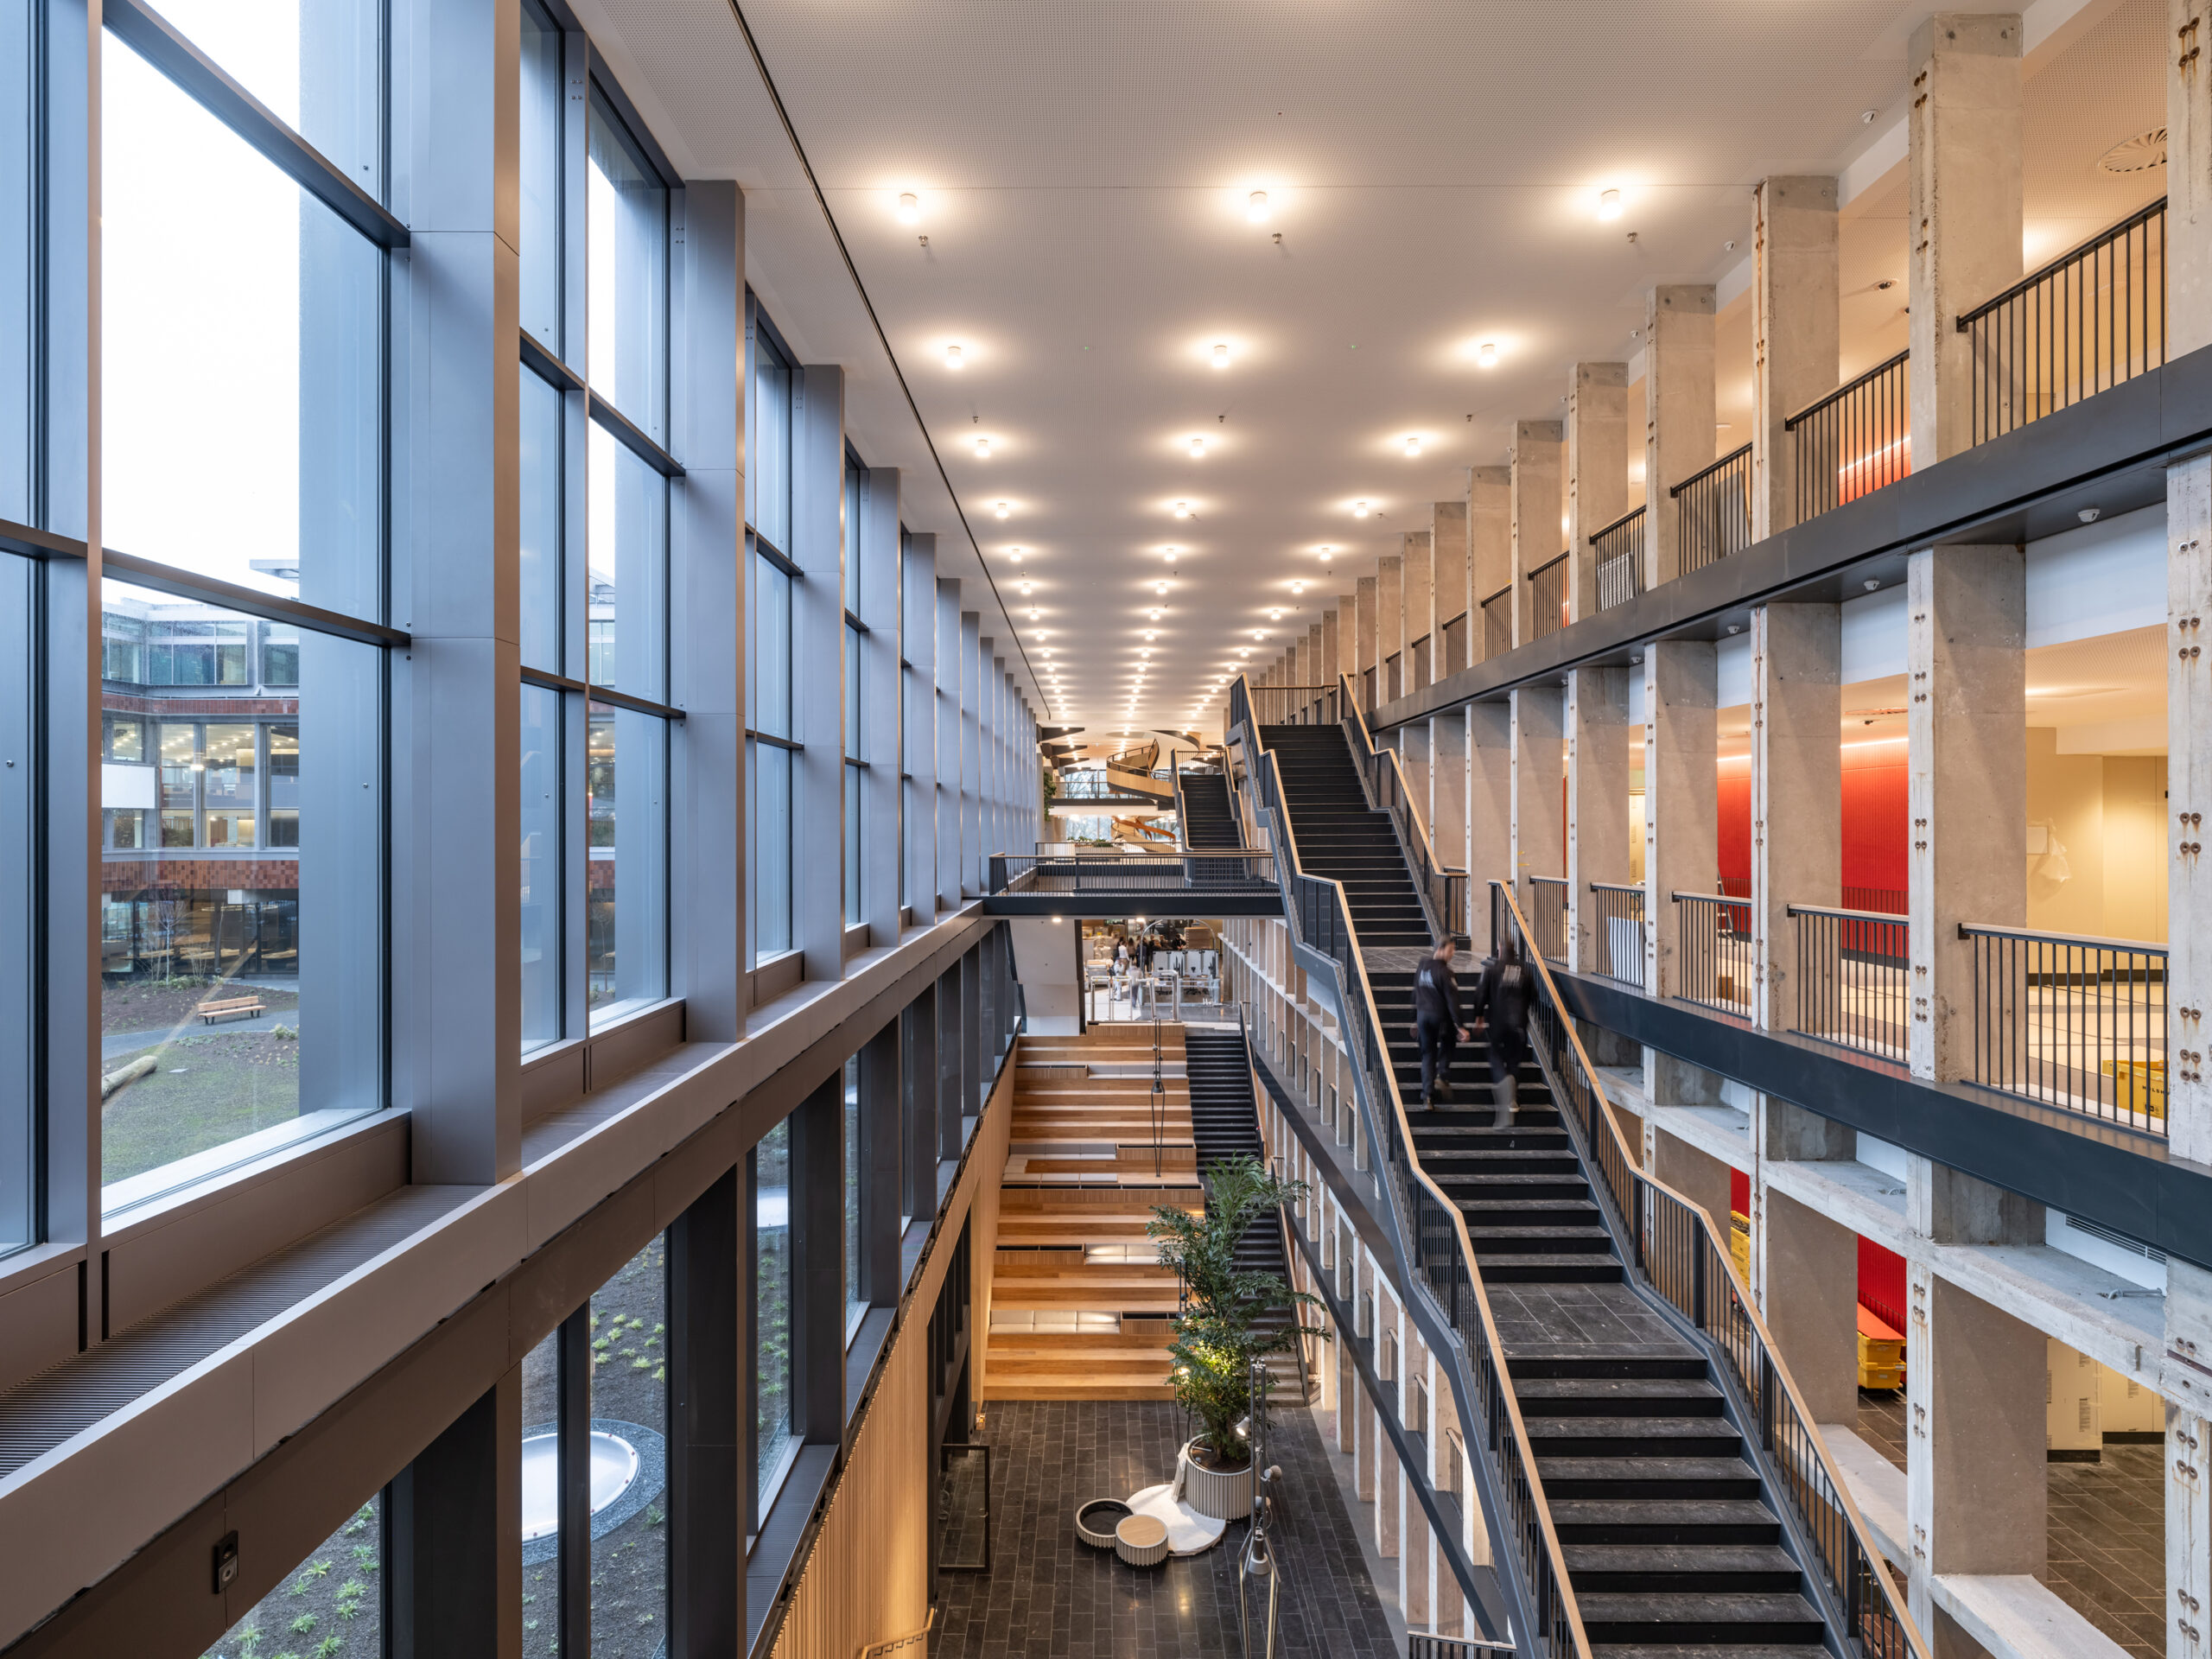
column 1854, row 441
column 2092, row 318
column 1548, row 598
column 1714, row 947
column 1852, row 968
column 1684, row 1258
column 1428, row 1235
column 1712, row 511
column 1497, row 624
column 1619, row 547
column 1294, row 705
column 2072, row 1021
column 1617, row 914
column 1454, row 633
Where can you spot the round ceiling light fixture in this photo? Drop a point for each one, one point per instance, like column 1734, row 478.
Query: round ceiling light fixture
column 1002, row 510
column 983, row 448
column 1198, row 449
column 1487, row 355
column 1255, row 208
column 1609, row 204
column 952, row 357
column 1221, row 354
column 910, row 208
column 1182, row 509
column 1412, row 449
column 1359, row 509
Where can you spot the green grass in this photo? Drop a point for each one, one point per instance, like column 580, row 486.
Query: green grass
column 207, row 1088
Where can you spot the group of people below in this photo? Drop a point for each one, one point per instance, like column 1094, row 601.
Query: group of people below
column 1501, row 999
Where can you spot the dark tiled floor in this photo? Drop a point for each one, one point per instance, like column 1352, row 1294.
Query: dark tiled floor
column 2107, row 1530
column 1048, row 1594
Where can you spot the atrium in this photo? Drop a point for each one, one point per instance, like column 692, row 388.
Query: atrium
column 1092, row 830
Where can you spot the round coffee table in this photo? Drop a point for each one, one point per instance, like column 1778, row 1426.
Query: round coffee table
column 1141, row 1541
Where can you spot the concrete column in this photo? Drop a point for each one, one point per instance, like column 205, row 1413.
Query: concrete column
column 1538, row 461
column 1963, row 208
column 1420, row 622
column 2188, row 796
column 1681, row 806
column 1597, row 470
column 1489, row 545
column 1795, row 332
column 1450, row 568
column 1967, row 800
column 1309, row 660
column 1331, row 621
column 1796, row 789
column 1489, row 805
column 1413, row 756
column 1805, row 1277
column 1390, row 627
column 2188, row 179
column 1447, row 788
column 1538, row 723
column 1678, row 413
column 2189, row 1533
column 1363, row 631
column 1596, row 805
column 1696, row 1174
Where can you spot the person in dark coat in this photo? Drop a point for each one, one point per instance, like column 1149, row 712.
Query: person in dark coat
column 1502, row 996
column 1436, row 1021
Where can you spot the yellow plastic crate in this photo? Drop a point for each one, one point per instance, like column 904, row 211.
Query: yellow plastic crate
column 1880, row 1376
column 1740, row 1242
column 1877, row 1351
column 2141, row 1086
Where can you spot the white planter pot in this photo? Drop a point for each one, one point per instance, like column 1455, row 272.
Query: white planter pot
column 1224, row 1496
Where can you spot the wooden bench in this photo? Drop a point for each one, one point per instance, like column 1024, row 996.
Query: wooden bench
column 246, row 1006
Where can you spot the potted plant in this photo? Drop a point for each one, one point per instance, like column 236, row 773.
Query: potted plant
column 1225, row 1324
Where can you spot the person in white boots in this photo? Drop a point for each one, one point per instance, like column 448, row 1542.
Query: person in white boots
column 1502, row 995
column 1436, row 1021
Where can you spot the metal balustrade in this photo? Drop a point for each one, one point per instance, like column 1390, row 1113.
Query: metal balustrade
column 2070, row 1021
column 1712, row 951
column 1853, row 966
column 1455, row 644
column 1294, row 705
column 1684, row 1259
column 1418, row 654
column 1619, row 550
column 1548, row 915
column 1616, row 931
column 1712, row 511
column 1548, row 598
column 1497, row 624
column 1216, row 872
column 1854, row 441
column 2092, row 318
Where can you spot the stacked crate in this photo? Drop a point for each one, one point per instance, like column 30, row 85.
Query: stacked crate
column 1881, row 1352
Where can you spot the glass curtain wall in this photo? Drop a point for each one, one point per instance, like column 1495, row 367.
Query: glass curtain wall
column 594, row 569
column 241, row 927
column 770, row 743
column 775, row 1426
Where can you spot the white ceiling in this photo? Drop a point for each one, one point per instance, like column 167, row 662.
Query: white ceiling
column 1432, row 166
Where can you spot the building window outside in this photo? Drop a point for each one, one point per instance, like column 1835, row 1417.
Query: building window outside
column 628, row 1331
column 331, row 1604
column 775, row 1436
column 855, row 781
column 856, row 1232
column 541, row 1492
column 543, row 100
column 541, row 867
column 770, row 744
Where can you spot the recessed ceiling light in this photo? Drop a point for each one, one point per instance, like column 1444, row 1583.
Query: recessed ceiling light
column 1275, row 616
column 1609, row 204
column 1198, row 449
column 1221, row 355
column 1487, row 357
column 1255, row 208
column 910, row 208
column 983, row 448
column 1028, row 587
column 1297, row 587
column 1182, row 509
column 1359, row 509
column 1014, row 553
column 1413, row 447
column 953, row 357
column 1002, row 510
column 1159, row 587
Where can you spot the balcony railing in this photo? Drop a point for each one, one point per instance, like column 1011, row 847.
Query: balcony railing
column 1455, row 644
column 1714, row 951
column 1712, row 511
column 2076, row 1023
column 1199, row 874
column 1852, row 967
column 1616, row 931
column 2089, row 320
column 1293, row 705
column 1548, row 916
column 1548, row 598
column 1394, row 678
column 1497, row 624
column 1619, row 547
column 1854, row 441
column 1417, row 654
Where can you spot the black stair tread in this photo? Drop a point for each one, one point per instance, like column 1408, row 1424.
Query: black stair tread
column 1677, row 1558
column 1708, row 1650
column 1684, row 1512
column 1592, row 1267
column 1652, row 1432
column 1659, row 1607
column 1531, row 1390
column 1628, row 1469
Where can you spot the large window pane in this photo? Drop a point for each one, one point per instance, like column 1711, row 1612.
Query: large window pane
column 854, row 779
column 770, row 659
column 316, row 64
column 239, row 1009
column 19, row 319
column 769, row 477
column 241, row 357
column 628, row 291
column 626, row 549
column 775, row 1436
column 331, row 1605
column 541, row 867
column 540, row 1499
column 626, row 944
column 855, row 1298
column 541, row 517
column 540, row 169
column 771, row 848
column 629, row 1408
column 18, row 947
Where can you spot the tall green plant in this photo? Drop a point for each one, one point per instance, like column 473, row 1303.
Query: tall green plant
column 1219, row 1332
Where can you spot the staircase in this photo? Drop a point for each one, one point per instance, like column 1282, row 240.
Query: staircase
column 1225, row 1123
column 1207, row 820
column 1671, row 1545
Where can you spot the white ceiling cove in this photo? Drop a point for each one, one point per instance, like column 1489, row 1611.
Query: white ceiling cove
column 1083, row 172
